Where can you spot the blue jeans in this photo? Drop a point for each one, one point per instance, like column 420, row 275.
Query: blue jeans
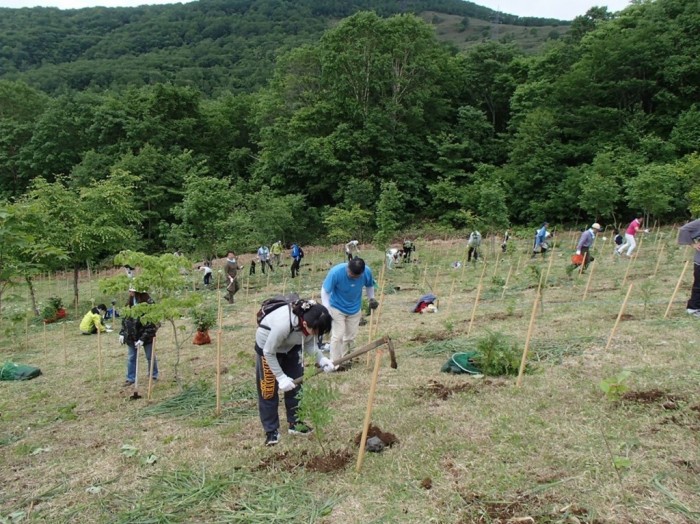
column 131, row 361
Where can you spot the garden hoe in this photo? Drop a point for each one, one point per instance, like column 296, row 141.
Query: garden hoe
column 135, row 395
column 361, row 351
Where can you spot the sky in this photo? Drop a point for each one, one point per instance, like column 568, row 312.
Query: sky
column 561, row 9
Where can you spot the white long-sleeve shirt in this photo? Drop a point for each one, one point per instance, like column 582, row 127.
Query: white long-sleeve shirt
column 282, row 337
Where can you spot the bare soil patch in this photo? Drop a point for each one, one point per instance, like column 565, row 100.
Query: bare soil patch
column 650, row 396
column 334, row 460
column 428, row 337
column 441, row 391
column 389, row 439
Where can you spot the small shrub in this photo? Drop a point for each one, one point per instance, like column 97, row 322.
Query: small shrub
column 497, row 356
column 315, row 398
column 204, row 317
column 615, row 387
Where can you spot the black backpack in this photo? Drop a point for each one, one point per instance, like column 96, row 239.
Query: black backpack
column 276, row 302
column 301, row 253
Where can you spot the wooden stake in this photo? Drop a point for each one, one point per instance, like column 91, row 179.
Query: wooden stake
column 368, row 413
column 218, row 372
column 549, row 266
column 435, row 284
column 588, row 283
column 46, row 344
column 619, row 316
column 629, row 266
column 523, row 360
column 495, row 268
column 476, row 303
column 65, row 351
column 452, row 290
column 99, row 355
column 150, row 368
column 658, row 259
column 678, row 285
column 505, row 286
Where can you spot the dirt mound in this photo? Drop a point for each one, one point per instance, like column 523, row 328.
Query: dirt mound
column 649, row 396
column 441, row 391
column 429, row 337
column 334, row 460
column 389, row 439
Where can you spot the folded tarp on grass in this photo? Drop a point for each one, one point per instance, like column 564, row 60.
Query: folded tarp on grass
column 12, row 371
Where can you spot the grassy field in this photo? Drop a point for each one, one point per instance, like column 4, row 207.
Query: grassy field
column 75, row 448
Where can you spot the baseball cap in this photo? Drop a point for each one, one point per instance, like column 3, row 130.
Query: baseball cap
column 596, row 226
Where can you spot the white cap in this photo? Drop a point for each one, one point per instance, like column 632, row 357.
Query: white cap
column 596, row 226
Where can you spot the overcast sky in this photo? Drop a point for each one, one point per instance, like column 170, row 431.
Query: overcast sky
column 561, row 9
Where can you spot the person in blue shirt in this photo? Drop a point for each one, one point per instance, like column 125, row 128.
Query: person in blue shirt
column 541, row 245
column 297, row 255
column 341, row 293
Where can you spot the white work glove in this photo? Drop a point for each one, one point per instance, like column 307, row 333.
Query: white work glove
column 646, row 230
column 121, row 339
column 138, row 344
column 578, row 251
column 327, row 365
column 286, row 383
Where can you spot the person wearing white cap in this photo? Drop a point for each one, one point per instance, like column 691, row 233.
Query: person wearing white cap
column 585, row 242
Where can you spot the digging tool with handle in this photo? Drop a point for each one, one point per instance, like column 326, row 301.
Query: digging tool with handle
column 361, row 351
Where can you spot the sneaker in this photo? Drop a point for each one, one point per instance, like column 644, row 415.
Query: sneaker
column 692, row 311
column 300, row 429
column 127, row 384
column 272, row 438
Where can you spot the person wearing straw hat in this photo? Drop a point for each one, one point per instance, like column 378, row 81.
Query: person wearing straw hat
column 689, row 235
column 585, row 242
column 136, row 334
column 341, row 293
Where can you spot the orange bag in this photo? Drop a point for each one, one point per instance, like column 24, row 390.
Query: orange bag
column 577, row 260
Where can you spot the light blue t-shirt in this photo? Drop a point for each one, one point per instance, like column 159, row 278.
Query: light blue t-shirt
column 346, row 292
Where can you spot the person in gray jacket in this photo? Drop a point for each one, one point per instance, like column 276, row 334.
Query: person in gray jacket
column 279, row 340
column 585, row 242
column 689, row 235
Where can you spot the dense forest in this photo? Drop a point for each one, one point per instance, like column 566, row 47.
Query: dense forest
column 373, row 127
column 213, row 45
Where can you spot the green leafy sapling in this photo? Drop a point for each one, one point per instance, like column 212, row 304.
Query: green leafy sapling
column 315, row 398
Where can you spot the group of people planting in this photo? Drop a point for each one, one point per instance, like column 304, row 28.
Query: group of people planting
column 294, row 325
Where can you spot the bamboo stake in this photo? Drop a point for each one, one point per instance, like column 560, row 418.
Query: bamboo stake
column 368, row 413
column 99, row 355
column 495, row 268
column 46, row 344
column 523, row 360
column 505, row 286
column 629, row 266
column 678, row 285
column 435, row 283
column 549, row 266
column 425, row 274
column 65, row 351
column 658, row 259
column 619, row 316
column 220, row 315
column 476, row 303
column 590, row 275
column 26, row 331
column 452, row 290
column 150, row 368
column 517, row 267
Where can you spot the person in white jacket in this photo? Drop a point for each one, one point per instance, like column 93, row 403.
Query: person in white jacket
column 279, row 340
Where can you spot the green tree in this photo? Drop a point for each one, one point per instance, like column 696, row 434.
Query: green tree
column 389, row 212
column 343, row 224
column 653, row 190
column 87, row 224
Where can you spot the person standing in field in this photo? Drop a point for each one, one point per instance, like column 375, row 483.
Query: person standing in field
column 540, row 245
column 630, row 242
column 585, row 242
column 408, row 248
column 137, row 334
column 689, row 235
column 352, row 249
column 264, row 258
column 297, row 255
column 232, row 285
column 474, row 242
column 341, row 293
column 276, row 252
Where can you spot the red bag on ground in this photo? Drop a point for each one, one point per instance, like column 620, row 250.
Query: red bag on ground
column 201, row 338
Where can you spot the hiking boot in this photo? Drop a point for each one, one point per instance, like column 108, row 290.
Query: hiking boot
column 300, row 429
column 272, row 438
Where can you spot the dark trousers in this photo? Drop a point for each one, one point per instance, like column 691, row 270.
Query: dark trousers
column 232, row 289
column 295, row 267
column 207, row 279
column 268, row 391
column 407, row 253
column 472, row 252
column 267, row 263
column 587, row 258
column 252, row 268
column 694, row 302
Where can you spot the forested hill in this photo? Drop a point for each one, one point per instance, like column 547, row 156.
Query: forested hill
column 213, row 45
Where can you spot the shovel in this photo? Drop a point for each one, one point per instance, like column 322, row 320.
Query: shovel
column 135, row 395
